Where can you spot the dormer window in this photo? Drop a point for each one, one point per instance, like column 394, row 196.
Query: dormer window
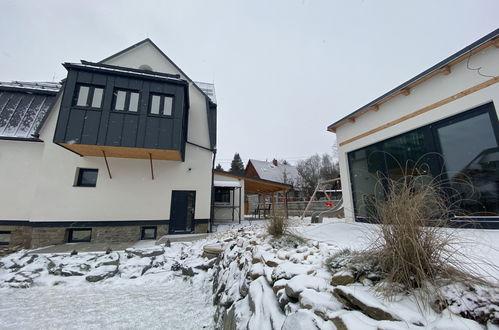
column 88, row 96
column 125, row 100
column 161, row 105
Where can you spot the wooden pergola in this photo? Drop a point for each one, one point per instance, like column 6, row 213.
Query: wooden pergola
column 259, row 186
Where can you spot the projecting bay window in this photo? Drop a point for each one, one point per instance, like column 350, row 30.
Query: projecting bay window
column 125, row 100
column 161, row 105
column 88, row 96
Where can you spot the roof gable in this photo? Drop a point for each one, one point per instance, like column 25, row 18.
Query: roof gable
column 268, row 171
column 146, row 52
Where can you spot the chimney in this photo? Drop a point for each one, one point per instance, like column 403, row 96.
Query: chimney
column 274, row 162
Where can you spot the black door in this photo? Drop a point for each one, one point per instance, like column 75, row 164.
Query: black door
column 182, row 211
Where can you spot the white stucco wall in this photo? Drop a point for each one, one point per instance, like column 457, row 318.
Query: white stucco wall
column 433, row 90
column 19, row 167
column 225, row 213
column 40, row 176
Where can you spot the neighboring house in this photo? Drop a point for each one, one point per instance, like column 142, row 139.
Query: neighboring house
column 446, row 117
column 272, row 171
column 124, row 151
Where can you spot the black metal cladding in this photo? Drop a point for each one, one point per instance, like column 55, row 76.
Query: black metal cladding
column 108, row 127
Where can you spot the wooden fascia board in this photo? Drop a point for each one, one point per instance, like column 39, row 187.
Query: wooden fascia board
column 424, row 109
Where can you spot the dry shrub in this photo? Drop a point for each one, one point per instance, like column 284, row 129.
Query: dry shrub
column 277, row 225
column 416, row 248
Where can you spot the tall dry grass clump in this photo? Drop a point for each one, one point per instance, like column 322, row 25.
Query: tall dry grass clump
column 277, row 225
column 415, row 246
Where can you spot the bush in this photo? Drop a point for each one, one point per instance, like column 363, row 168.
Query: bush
column 415, row 248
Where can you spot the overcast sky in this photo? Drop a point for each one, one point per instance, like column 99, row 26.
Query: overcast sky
column 283, row 70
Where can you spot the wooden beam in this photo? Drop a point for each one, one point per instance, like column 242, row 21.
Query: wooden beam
column 424, row 109
column 445, row 70
column 123, row 152
column 351, row 119
column 375, row 107
column 405, row 91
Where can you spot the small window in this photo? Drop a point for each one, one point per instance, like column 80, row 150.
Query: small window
column 88, row 96
column 161, row 105
column 148, row 232
column 126, row 100
column 80, row 235
column 87, row 177
column 5, row 237
column 222, row 195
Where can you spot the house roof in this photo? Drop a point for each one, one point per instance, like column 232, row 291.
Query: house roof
column 255, row 185
column 443, row 66
column 268, row 171
column 23, row 108
column 147, row 40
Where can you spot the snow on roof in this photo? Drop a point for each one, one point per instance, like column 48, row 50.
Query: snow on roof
column 268, row 171
column 23, row 106
column 226, row 183
column 208, row 89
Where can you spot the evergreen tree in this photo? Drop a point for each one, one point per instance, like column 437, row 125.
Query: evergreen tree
column 219, row 167
column 237, row 166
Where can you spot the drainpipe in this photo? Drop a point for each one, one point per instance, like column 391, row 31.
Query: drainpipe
column 212, row 209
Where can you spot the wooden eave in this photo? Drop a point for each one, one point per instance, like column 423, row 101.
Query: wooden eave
column 123, row 152
column 442, row 68
column 258, row 186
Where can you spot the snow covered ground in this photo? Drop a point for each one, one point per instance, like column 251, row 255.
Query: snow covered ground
column 145, row 294
column 151, row 287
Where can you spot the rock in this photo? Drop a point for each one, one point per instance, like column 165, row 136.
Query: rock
column 368, row 304
column 305, row 320
column 282, row 299
column 108, row 250
column 100, row 277
column 146, row 253
column 319, row 302
column 31, row 259
column 114, row 262
column 287, row 270
column 187, row 271
column 265, row 310
column 207, row 265
column 338, row 323
column 73, row 253
column 342, row 278
column 256, row 271
column 212, row 250
column 301, row 282
column 175, row 266
column 280, row 284
column 168, row 243
column 145, row 269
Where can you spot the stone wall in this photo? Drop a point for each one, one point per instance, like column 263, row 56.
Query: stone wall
column 19, row 236
column 43, row 236
column 201, row 228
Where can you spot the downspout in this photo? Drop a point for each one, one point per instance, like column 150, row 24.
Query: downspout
column 212, row 209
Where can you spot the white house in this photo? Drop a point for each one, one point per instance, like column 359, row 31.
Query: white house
column 447, row 118
column 123, row 151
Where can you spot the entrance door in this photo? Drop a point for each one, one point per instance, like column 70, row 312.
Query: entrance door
column 182, row 211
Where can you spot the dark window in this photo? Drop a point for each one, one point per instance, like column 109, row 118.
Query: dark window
column 161, row 105
column 87, row 177
column 5, row 237
column 88, row 96
column 80, row 235
column 462, row 150
column 222, row 195
column 125, row 100
column 148, row 233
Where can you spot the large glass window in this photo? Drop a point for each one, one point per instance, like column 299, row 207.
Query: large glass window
column 5, row 237
column 222, row 195
column 462, row 151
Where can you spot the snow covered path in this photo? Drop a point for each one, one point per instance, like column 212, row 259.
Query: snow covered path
column 174, row 304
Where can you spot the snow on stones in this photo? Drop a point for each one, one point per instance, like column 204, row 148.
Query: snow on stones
column 297, row 284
